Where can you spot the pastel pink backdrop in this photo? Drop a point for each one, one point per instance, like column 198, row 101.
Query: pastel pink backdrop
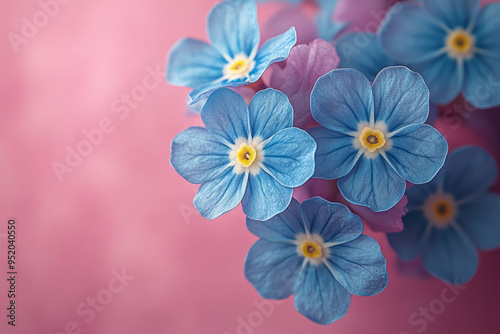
column 124, row 208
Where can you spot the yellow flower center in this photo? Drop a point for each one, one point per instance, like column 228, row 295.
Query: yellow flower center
column 239, row 67
column 460, row 44
column 246, row 155
column 372, row 139
column 311, row 249
column 440, row 210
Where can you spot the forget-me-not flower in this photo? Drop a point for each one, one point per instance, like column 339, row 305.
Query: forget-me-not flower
column 373, row 138
column 315, row 251
column 454, row 45
column 451, row 216
column 247, row 153
column 233, row 58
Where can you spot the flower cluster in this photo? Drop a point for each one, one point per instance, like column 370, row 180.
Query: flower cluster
column 347, row 114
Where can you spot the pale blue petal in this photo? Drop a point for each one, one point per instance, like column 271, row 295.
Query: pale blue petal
column 401, row 97
column 225, row 115
column 450, row 255
column 480, row 220
column 373, row 183
column 359, row 266
column 362, row 52
column 332, row 221
column 194, row 63
column 335, row 155
column 273, row 51
column 487, row 29
column 410, row 242
column 232, row 27
column 418, row 152
column 482, row 80
column 289, row 157
column 453, row 13
column 318, row 295
column 469, row 171
column 270, row 112
column 198, row 156
column 203, row 92
column 265, row 197
column 272, row 268
column 221, row 195
column 410, row 34
column 341, row 99
column 284, row 226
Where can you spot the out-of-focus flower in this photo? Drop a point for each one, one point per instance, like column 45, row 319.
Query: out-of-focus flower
column 454, row 45
column 362, row 15
column 287, row 17
column 315, row 251
column 248, row 154
column 233, row 59
column 451, row 216
column 374, row 139
column 304, row 66
column 328, row 27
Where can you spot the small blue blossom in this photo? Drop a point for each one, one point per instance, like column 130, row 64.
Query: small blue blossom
column 233, row 59
column 373, row 138
column 247, row 153
column 454, row 45
column 451, row 216
column 315, row 251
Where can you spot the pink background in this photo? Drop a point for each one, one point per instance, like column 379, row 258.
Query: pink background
column 124, row 208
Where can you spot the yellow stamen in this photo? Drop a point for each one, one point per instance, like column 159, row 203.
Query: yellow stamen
column 372, row 139
column 311, row 249
column 440, row 209
column 460, row 44
column 246, row 155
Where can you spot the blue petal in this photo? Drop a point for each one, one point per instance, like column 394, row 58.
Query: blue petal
column 332, row 221
column 225, row 114
column 418, row 194
column 359, row 266
column 373, row 183
column 450, row 255
column 410, row 34
column 289, row 157
column 444, row 77
column 328, row 28
column 272, row 268
column 318, row 295
column 194, row 63
column 220, row 195
column 418, row 152
column 410, row 243
column 362, row 52
column 454, row 13
column 401, row 97
column 479, row 219
column 203, row 92
column 336, row 154
column 274, row 50
column 265, row 197
column 487, row 29
column 469, row 171
column 341, row 99
column 198, row 156
column 482, row 80
column 270, row 112
column 232, row 27
column 284, row 226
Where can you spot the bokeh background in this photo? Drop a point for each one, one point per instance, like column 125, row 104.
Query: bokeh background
column 122, row 210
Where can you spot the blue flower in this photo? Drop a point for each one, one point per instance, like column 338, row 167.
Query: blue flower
column 451, row 216
column 374, row 139
column 233, row 59
column 248, row 154
column 317, row 252
column 454, row 45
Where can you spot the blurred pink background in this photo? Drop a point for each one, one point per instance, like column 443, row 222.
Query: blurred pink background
column 121, row 210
